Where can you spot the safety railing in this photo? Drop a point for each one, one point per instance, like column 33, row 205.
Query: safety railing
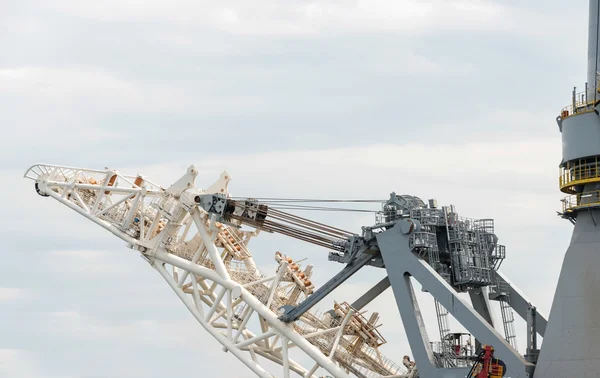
column 497, row 256
column 578, row 172
column 580, row 104
column 422, row 240
column 581, row 201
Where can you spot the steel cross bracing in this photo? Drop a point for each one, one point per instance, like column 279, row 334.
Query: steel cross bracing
column 193, row 238
column 209, row 266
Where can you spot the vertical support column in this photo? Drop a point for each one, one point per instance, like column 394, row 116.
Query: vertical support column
column 414, row 325
column 532, row 351
column 401, row 264
column 572, row 338
column 593, row 42
column 481, row 304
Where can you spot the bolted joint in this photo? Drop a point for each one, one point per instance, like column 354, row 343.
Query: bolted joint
column 284, row 313
column 212, row 203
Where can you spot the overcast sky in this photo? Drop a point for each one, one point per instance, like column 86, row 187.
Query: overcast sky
column 453, row 100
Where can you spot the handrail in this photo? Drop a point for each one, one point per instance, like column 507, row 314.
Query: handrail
column 578, row 172
column 579, row 105
column 581, row 201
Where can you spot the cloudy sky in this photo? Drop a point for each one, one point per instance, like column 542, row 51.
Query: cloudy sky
column 453, row 100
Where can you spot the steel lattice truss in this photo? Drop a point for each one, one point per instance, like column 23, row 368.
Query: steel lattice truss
column 210, row 267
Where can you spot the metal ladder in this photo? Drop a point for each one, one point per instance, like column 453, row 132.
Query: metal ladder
column 508, row 321
column 444, row 327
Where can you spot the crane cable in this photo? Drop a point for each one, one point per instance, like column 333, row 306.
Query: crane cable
column 291, row 203
column 273, row 199
column 270, row 218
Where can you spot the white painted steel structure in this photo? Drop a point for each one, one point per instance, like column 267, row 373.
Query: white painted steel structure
column 210, row 268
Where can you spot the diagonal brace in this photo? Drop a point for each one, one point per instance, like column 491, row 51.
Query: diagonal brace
column 294, row 313
column 373, row 293
column 400, row 262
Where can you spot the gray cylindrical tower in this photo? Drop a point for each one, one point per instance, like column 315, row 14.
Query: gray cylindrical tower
column 593, row 49
column 571, row 346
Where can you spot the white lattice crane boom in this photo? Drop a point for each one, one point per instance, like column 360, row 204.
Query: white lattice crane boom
column 208, row 264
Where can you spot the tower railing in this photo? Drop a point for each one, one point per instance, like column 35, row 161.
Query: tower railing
column 580, row 104
column 581, row 201
column 578, row 172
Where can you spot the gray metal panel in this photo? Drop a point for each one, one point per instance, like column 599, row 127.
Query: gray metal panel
column 399, row 263
column 481, row 304
column 581, row 136
column 572, row 338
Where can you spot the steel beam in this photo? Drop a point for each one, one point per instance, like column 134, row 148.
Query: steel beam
column 401, row 264
column 373, row 293
column 294, row 313
column 481, row 304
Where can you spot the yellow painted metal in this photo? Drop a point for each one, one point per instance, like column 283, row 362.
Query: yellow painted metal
column 578, row 172
column 497, row 370
column 579, row 106
column 574, row 202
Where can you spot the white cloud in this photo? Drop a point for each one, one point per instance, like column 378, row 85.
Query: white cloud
column 484, row 159
column 86, row 263
column 10, row 294
column 60, row 82
column 25, row 204
column 407, row 61
column 87, row 90
column 15, row 363
column 180, row 335
column 149, row 333
column 268, row 17
column 64, row 86
column 505, row 175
